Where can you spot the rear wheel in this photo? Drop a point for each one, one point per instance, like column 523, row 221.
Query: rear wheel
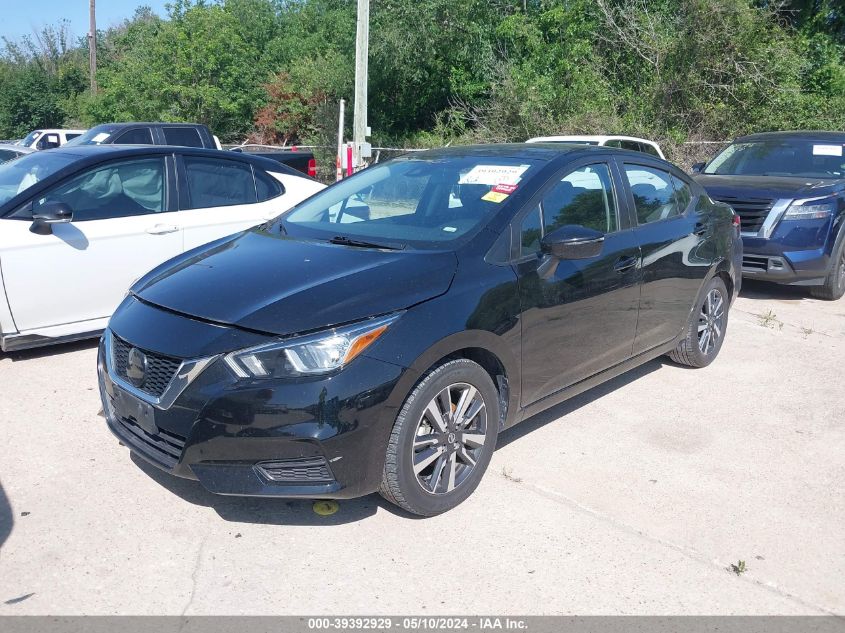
column 442, row 440
column 706, row 328
column 834, row 283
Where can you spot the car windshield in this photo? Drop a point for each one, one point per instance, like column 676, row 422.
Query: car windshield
column 417, row 202
column 20, row 174
column 793, row 157
column 94, row 136
column 30, row 138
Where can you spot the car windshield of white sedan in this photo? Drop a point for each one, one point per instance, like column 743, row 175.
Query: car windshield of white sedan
column 412, row 201
column 19, row 175
column 794, row 157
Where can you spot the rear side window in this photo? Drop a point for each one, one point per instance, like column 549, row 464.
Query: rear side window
column 137, row 136
column 654, row 195
column 182, row 136
column 266, row 186
column 218, row 183
column 70, row 137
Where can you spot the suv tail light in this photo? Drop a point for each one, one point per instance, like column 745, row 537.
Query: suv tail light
column 312, row 167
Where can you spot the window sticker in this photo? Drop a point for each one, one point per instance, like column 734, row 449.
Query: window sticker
column 494, row 196
column 508, row 189
column 493, row 175
column 827, row 150
column 99, row 138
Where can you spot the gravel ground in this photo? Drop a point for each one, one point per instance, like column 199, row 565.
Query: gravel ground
column 635, row 498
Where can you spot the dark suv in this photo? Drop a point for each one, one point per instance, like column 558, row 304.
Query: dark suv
column 382, row 333
column 789, row 191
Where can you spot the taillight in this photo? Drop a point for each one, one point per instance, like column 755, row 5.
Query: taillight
column 312, row 167
column 736, row 221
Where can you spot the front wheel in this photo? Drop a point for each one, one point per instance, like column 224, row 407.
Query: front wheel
column 442, row 440
column 834, row 284
column 706, row 328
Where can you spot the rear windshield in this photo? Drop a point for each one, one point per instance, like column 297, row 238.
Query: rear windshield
column 19, row 175
column 792, row 157
column 417, row 202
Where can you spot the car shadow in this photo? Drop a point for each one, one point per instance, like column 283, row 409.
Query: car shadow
column 6, row 520
column 556, row 412
column 268, row 511
column 50, row 350
column 752, row 289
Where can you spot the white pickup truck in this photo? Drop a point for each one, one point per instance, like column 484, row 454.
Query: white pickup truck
column 48, row 139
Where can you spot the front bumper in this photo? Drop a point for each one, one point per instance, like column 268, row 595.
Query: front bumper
column 320, row 437
column 798, row 253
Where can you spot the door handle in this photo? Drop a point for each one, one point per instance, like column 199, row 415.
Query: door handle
column 624, row 264
column 161, row 229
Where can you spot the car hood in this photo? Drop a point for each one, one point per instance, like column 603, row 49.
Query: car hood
column 282, row 285
column 769, row 187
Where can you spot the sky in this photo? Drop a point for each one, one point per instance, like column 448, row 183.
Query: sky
column 21, row 17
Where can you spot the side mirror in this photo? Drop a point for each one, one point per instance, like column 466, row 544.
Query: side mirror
column 573, row 242
column 697, row 168
column 48, row 214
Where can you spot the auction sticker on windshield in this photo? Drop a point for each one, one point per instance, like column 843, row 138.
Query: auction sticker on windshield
column 827, row 150
column 493, row 175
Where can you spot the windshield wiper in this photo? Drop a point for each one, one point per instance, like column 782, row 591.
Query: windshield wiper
column 344, row 240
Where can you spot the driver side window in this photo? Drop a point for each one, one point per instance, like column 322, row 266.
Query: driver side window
column 583, row 197
column 115, row 190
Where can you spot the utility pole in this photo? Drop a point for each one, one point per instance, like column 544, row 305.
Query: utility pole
column 340, row 125
column 92, row 45
column 359, row 123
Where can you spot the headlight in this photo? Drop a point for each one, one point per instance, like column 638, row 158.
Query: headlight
column 810, row 209
column 307, row 355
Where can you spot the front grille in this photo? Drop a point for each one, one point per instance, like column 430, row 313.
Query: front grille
column 752, row 212
column 165, row 447
column 298, row 471
column 752, row 262
column 160, row 369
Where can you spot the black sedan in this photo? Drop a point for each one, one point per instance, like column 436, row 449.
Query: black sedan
column 381, row 334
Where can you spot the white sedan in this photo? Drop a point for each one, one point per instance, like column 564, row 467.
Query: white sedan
column 78, row 225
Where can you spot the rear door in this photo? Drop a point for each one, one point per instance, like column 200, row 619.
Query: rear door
column 672, row 235
column 579, row 317
column 124, row 223
column 219, row 197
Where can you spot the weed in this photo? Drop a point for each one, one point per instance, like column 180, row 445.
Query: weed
column 770, row 320
column 507, row 473
column 738, row 567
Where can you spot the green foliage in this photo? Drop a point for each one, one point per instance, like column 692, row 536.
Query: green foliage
column 448, row 72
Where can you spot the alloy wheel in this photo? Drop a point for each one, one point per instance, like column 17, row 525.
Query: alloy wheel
column 449, row 438
column 711, row 321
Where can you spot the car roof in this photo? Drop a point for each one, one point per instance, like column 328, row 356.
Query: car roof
column 817, row 135
column 123, row 124
column 537, row 151
column 92, row 154
column 17, row 148
column 597, row 138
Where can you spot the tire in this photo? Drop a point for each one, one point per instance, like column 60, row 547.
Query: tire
column 440, row 444
column 706, row 329
column 834, row 284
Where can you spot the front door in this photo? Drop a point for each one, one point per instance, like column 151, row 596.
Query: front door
column 579, row 317
column 122, row 227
